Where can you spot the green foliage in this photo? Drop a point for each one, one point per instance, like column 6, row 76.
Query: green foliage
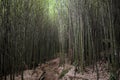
column 33, row 31
column 113, row 76
column 26, row 35
column 63, row 73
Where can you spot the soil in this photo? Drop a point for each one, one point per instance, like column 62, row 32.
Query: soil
column 52, row 71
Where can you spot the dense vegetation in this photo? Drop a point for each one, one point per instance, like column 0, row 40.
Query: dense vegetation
column 35, row 31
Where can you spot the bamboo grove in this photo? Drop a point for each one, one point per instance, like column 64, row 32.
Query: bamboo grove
column 35, row 31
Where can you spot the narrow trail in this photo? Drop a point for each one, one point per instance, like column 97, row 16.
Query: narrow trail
column 52, row 71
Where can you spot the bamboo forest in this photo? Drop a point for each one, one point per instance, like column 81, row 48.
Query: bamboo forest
column 59, row 39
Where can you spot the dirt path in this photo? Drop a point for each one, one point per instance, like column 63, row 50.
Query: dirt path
column 52, row 71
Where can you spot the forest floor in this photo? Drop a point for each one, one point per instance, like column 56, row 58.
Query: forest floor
column 52, row 71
